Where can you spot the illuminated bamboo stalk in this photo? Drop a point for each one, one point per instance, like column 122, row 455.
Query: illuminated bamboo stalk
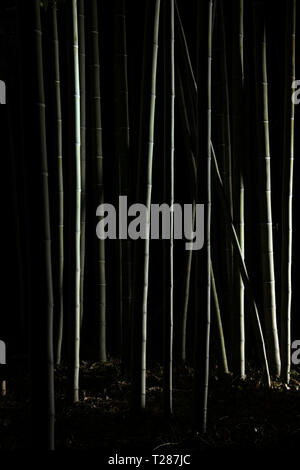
column 219, row 320
column 60, row 184
column 168, row 369
column 82, row 73
column 203, row 311
column 77, row 198
column 188, row 123
column 148, row 205
column 287, row 192
column 264, row 174
column 237, row 156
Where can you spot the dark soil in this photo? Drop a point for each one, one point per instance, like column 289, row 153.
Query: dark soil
column 242, row 414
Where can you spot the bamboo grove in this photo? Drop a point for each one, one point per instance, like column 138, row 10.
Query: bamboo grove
column 161, row 101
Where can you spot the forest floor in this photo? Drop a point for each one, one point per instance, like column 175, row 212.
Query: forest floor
column 242, row 414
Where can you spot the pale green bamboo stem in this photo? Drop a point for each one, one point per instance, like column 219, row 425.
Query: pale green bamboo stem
column 187, row 141
column 169, row 325
column 203, row 314
column 148, row 205
column 237, row 153
column 287, row 193
column 266, row 226
column 77, row 198
column 60, row 185
column 82, row 72
column 227, row 163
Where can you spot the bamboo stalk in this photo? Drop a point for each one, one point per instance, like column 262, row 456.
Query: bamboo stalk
column 193, row 169
column 287, row 192
column 136, row 317
column 238, row 206
column 148, row 205
column 264, row 174
column 98, row 154
column 227, row 166
column 77, row 198
column 203, row 311
column 168, row 369
column 122, row 142
column 40, row 103
column 219, row 321
column 82, row 72
column 60, row 184
column 187, row 66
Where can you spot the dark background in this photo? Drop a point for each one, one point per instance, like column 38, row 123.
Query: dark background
column 21, row 214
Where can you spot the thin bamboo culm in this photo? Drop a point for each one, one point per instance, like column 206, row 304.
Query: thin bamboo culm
column 148, row 205
column 122, row 142
column 238, row 213
column 82, row 72
column 203, row 310
column 287, row 193
column 60, row 185
column 264, row 173
column 77, row 199
column 98, row 155
column 40, row 97
column 168, row 369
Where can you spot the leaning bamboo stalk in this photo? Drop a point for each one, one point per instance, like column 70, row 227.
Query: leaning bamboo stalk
column 193, row 170
column 219, row 321
column 242, row 265
column 187, row 139
column 148, row 205
column 98, row 154
column 187, row 66
column 287, row 193
column 40, row 103
column 60, row 185
column 77, row 198
column 264, row 173
column 186, row 61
